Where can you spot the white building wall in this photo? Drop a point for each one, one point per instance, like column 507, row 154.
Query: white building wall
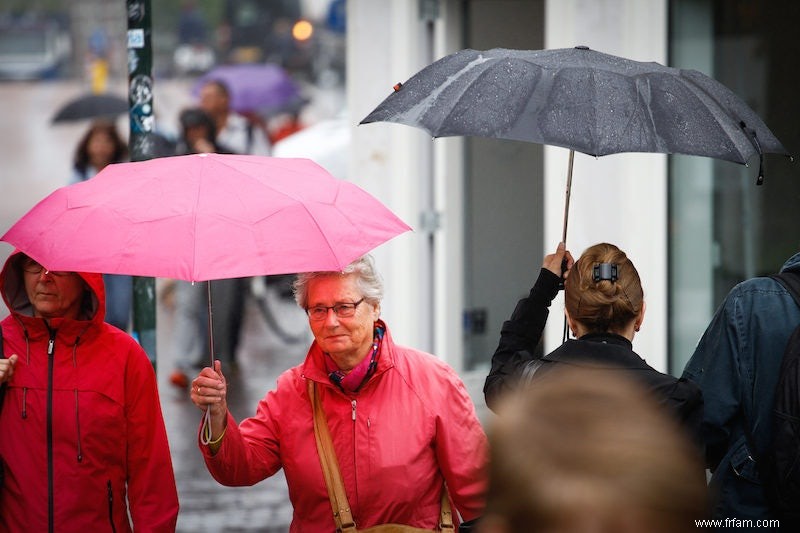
column 381, row 46
column 621, row 198
column 388, row 42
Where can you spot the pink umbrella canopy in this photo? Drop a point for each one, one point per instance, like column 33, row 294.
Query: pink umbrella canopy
column 205, row 216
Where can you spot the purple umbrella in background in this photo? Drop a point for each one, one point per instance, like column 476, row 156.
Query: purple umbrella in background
column 255, row 87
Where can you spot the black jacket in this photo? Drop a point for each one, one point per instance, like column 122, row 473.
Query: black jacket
column 604, row 352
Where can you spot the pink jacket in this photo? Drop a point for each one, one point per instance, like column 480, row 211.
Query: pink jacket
column 410, row 428
column 81, row 427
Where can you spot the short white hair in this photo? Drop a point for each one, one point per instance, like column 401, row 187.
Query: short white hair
column 368, row 281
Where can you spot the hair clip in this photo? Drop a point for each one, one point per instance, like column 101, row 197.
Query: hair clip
column 605, row 271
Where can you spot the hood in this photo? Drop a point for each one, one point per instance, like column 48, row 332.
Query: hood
column 16, row 299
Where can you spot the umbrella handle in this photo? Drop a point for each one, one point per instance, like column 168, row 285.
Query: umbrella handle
column 205, row 434
column 210, row 324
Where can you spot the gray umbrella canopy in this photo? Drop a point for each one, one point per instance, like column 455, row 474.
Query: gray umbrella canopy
column 580, row 99
column 91, row 106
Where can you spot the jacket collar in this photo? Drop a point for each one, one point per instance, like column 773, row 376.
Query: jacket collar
column 608, row 338
column 314, row 364
column 598, row 350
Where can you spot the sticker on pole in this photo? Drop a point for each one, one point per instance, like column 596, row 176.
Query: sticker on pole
column 136, row 38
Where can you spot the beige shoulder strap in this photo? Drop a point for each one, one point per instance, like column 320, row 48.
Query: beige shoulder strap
column 333, row 478
column 330, row 465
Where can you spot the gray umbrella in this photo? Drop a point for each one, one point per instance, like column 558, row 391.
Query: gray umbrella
column 580, row 99
column 92, row 106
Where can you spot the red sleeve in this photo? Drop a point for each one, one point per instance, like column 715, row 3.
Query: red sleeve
column 152, row 494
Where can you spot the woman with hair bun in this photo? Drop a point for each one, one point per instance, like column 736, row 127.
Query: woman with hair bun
column 604, row 306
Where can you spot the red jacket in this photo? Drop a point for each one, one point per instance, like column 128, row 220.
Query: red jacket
column 411, row 427
column 82, row 430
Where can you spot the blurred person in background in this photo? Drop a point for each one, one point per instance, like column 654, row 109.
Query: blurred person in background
column 243, row 135
column 99, row 147
column 99, row 48
column 586, row 451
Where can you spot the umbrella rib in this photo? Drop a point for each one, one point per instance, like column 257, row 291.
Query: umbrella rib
column 324, row 236
column 225, row 163
column 718, row 110
column 193, row 266
column 418, row 110
column 651, row 119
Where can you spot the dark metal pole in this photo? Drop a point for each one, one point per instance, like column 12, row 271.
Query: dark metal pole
column 140, row 95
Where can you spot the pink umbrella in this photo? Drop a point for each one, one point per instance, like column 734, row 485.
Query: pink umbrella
column 205, row 216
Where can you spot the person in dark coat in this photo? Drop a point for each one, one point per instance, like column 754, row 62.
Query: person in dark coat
column 605, row 308
column 737, row 364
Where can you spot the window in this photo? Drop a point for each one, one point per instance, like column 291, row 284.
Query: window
column 724, row 228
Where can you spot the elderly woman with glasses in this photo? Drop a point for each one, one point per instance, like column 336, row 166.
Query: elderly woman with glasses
column 403, row 429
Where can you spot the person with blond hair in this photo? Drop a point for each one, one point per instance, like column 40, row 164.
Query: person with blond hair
column 590, row 451
column 605, row 307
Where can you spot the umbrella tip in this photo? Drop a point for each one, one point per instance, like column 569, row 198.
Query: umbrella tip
column 760, row 178
column 397, row 86
column 582, row 47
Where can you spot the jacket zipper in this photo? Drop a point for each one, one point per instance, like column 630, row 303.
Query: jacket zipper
column 50, row 364
column 111, row 507
column 355, row 454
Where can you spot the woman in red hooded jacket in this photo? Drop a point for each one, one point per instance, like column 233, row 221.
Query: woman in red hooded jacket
column 84, row 447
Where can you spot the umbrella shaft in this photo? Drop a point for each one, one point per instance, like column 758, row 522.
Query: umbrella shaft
column 210, row 325
column 567, row 195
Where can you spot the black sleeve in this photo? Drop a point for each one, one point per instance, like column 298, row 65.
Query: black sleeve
column 519, row 337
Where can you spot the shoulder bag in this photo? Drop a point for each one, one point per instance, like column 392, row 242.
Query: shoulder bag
column 333, row 480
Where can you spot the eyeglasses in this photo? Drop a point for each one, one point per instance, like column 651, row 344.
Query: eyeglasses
column 342, row 310
column 32, row 267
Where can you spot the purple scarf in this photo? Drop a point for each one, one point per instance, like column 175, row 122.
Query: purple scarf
column 353, row 380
